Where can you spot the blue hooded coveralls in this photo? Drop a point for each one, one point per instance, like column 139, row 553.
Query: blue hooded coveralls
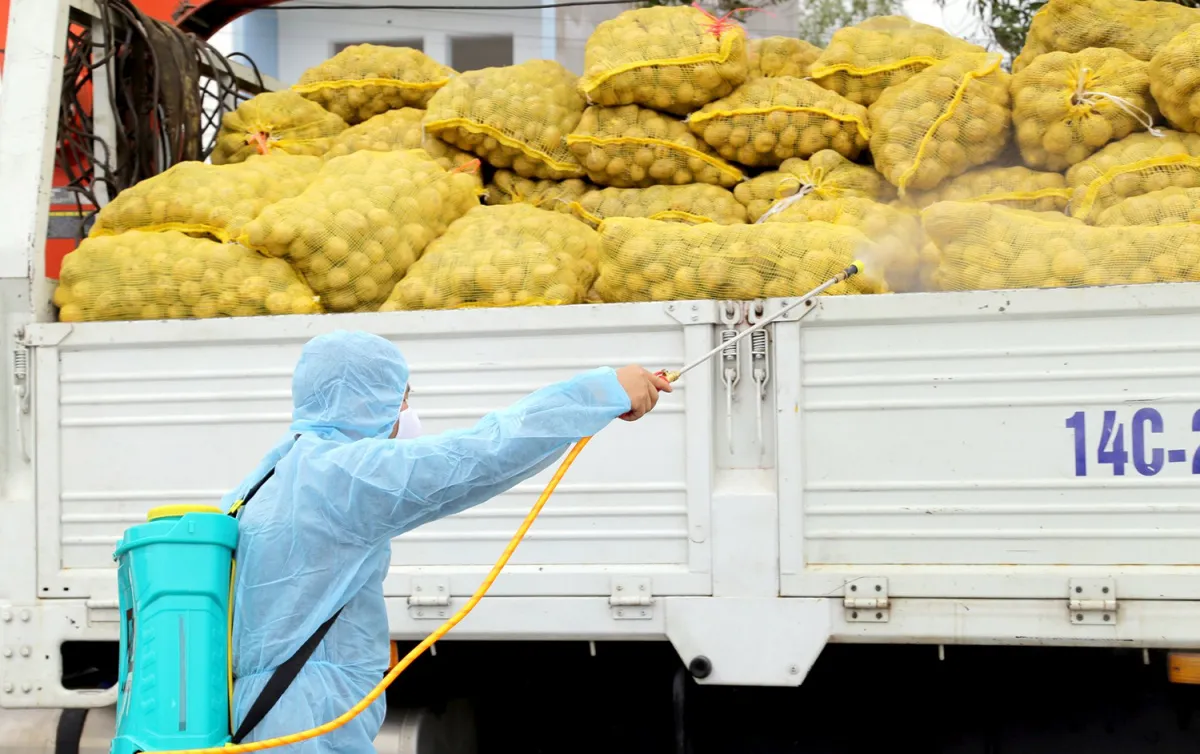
column 318, row 534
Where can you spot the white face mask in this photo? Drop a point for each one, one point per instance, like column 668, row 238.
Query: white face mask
column 410, row 425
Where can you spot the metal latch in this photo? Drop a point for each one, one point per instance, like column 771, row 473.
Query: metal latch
column 866, row 601
column 430, row 599
column 1092, row 601
column 631, row 599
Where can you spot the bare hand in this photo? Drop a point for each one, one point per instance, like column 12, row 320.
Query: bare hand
column 643, row 388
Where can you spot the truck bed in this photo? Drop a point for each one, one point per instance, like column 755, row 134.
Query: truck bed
column 989, row 467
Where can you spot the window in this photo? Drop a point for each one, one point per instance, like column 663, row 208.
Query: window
column 417, row 43
column 475, row 52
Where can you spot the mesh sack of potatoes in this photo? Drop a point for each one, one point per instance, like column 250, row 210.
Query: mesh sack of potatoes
column 1169, row 206
column 1175, row 79
column 895, row 231
column 635, row 147
column 275, row 122
column 513, row 255
column 989, row 247
column 670, row 58
column 171, row 275
column 396, row 130
column 1015, row 186
column 1138, row 164
column 507, row 187
column 766, row 121
column 825, row 175
column 941, row 122
column 695, row 203
column 365, row 80
column 514, row 117
column 203, row 199
column 780, row 56
column 1067, row 105
column 862, row 61
column 1139, row 27
column 362, row 223
column 651, row 260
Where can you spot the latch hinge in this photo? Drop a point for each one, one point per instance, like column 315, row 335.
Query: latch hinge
column 430, row 599
column 866, row 601
column 1092, row 601
column 631, row 599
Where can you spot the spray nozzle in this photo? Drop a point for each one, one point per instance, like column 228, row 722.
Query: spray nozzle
column 855, row 268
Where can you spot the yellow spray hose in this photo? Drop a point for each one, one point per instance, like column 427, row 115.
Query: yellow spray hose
column 509, row 549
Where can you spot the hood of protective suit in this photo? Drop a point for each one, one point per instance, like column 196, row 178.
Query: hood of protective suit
column 350, row 384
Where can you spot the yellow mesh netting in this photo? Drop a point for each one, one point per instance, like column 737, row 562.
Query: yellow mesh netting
column 213, row 200
column 365, row 80
column 514, row 117
column 768, row 120
column 1068, row 105
column 1171, row 206
column 780, row 56
column 825, row 175
column 696, row 203
column 507, row 187
column 1138, row 164
column 941, row 122
column 362, row 223
column 673, row 59
column 275, row 122
column 635, row 147
column 862, row 61
column 1139, row 27
column 986, row 247
column 1016, row 186
column 514, row 255
column 397, row 129
column 1175, row 79
column 170, row 275
column 896, row 233
column 650, row 260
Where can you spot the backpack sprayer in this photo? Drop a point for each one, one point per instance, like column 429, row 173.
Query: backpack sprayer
column 175, row 577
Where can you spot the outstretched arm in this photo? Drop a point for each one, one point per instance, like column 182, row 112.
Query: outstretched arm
column 378, row 489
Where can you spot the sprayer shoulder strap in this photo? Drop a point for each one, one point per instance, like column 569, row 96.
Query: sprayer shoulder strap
column 280, row 680
column 283, row 676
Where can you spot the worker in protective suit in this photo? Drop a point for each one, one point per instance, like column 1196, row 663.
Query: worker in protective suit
column 316, row 536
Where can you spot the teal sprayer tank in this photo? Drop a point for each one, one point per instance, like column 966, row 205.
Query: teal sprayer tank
column 173, row 577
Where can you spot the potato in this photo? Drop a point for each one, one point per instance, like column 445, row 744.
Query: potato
column 365, row 80
column 766, row 121
column 694, row 203
column 895, row 232
column 275, row 122
column 652, row 260
column 1138, row 164
column 1169, row 206
column 1175, row 79
column 509, row 188
column 515, row 117
column 169, row 275
column 634, row 147
column 512, row 255
column 1017, row 187
column 1066, row 105
column 209, row 200
column 396, row 130
column 941, row 122
column 826, row 175
column 670, row 58
column 862, row 61
column 1138, row 27
column 988, row 247
column 780, row 56
column 362, row 223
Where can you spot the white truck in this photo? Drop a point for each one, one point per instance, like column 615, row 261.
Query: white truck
column 1005, row 468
